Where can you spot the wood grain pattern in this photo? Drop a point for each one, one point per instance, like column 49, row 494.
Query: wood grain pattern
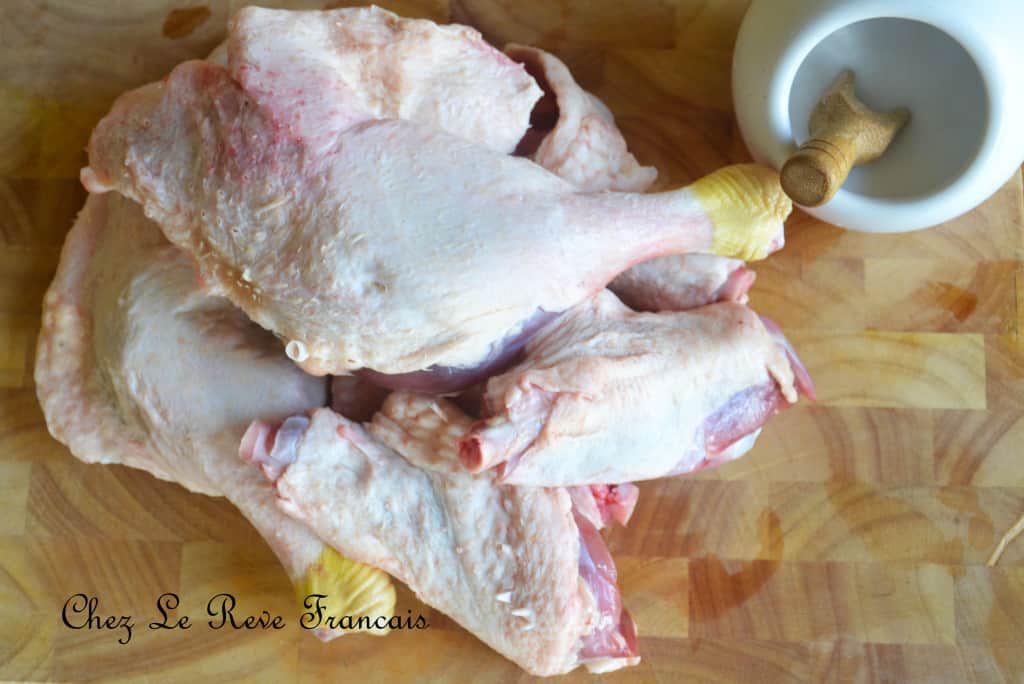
column 850, row 545
column 895, row 369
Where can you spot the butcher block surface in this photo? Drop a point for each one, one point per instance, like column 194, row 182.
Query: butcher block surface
column 850, row 545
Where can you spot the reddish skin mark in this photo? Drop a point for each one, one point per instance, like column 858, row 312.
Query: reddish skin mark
column 344, row 433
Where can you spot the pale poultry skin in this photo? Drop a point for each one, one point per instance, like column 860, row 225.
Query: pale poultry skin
column 514, row 565
column 137, row 365
column 345, row 179
column 583, row 145
column 609, row 395
column 318, row 73
column 388, row 248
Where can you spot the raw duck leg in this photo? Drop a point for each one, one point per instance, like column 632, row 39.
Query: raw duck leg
column 401, row 247
column 610, row 395
column 573, row 134
column 138, row 366
column 513, row 565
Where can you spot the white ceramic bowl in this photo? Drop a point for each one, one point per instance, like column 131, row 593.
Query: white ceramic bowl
column 956, row 65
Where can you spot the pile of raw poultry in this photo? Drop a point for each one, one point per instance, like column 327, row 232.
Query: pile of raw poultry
column 401, row 297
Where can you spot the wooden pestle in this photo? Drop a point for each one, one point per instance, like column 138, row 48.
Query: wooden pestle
column 844, row 134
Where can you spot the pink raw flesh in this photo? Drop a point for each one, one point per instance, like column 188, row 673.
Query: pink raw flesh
column 743, row 413
column 446, row 380
column 615, row 502
column 751, row 408
column 614, row 634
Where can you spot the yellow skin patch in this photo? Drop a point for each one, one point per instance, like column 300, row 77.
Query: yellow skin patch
column 746, row 205
column 351, row 589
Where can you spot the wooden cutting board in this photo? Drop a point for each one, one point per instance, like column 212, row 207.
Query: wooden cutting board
column 849, row 546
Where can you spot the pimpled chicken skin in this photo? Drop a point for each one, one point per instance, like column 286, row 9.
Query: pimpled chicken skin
column 386, row 243
column 138, row 365
column 573, row 134
column 519, row 567
column 608, row 395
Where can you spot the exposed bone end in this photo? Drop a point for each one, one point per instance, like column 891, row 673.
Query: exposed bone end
column 488, row 443
column 747, row 207
column 272, row 448
column 604, row 504
column 93, row 181
column 295, row 349
column 471, row 453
